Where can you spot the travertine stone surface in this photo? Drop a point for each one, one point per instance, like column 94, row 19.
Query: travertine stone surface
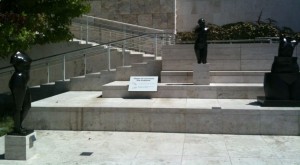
column 190, row 115
column 223, row 12
column 19, row 147
column 158, row 14
column 201, row 75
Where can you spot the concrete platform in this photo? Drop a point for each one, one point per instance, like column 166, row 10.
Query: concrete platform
column 85, row 111
column 215, row 76
column 119, row 89
column 140, row 148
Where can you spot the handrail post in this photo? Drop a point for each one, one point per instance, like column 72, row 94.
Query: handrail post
column 81, row 31
column 48, row 72
column 155, row 45
column 108, row 58
column 84, row 58
column 64, row 67
column 139, row 44
column 123, row 53
column 87, row 30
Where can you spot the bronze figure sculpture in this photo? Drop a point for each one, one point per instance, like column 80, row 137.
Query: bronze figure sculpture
column 20, row 91
column 283, row 83
column 200, row 46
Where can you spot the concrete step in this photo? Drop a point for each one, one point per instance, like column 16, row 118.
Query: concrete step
column 123, row 73
column 119, row 89
column 148, row 57
column 215, row 76
column 133, row 57
column 49, row 89
column 85, row 111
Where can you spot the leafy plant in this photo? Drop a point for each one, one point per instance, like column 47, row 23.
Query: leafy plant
column 240, row 30
column 6, row 125
column 25, row 23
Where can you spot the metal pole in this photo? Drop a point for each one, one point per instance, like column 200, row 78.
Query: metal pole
column 84, row 56
column 81, row 31
column 155, row 46
column 108, row 65
column 48, row 72
column 139, row 44
column 64, row 68
column 123, row 53
column 87, row 30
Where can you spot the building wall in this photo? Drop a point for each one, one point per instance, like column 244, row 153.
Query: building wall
column 151, row 13
column 285, row 12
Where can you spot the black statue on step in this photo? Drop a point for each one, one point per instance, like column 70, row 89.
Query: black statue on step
column 283, row 83
column 200, row 46
column 286, row 46
column 20, row 91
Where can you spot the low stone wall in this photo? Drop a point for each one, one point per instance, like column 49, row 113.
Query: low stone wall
column 223, row 57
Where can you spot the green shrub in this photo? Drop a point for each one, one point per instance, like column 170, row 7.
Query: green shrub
column 6, row 125
column 239, row 30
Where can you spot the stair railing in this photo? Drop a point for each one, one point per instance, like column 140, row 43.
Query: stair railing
column 100, row 30
column 95, row 58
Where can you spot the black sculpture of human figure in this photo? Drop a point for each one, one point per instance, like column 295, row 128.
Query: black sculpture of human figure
column 20, row 91
column 200, row 46
column 285, row 62
column 286, row 46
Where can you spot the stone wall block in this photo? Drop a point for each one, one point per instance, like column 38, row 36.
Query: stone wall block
column 167, row 6
column 109, row 6
column 171, row 20
column 152, row 6
column 130, row 18
column 137, row 7
column 160, row 21
column 145, row 20
column 123, row 6
column 95, row 7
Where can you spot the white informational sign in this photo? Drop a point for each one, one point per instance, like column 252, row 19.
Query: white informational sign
column 143, row 83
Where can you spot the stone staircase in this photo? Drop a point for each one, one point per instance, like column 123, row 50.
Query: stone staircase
column 145, row 64
column 226, row 106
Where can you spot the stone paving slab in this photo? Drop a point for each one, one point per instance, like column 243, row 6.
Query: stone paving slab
column 136, row 148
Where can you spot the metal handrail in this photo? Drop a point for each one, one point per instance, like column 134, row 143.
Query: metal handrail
column 258, row 40
column 122, row 24
column 68, row 52
column 87, row 27
column 114, row 44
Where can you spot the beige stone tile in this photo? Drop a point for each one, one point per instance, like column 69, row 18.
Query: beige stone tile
column 285, row 147
column 256, row 161
column 159, row 145
column 245, row 146
column 290, row 161
column 205, row 146
column 139, row 103
column 169, row 103
column 202, row 103
column 165, row 138
column 160, row 149
column 158, row 160
column 196, row 160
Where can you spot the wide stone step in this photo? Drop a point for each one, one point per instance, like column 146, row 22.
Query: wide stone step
column 119, row 89
column 215, row 76
column 84, row 111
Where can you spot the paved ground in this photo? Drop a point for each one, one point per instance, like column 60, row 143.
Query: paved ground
column 130, row 148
